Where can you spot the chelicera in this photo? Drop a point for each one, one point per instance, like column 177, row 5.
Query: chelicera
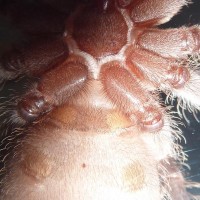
column 94, row 117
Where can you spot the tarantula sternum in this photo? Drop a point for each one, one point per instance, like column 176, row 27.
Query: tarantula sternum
column 94, row 126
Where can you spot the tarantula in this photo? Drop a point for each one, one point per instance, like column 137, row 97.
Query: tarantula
column 94, row 126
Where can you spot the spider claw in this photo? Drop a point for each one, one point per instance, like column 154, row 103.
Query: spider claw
column 153, row 122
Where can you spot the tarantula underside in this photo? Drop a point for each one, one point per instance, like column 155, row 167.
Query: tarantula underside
column 94, row 124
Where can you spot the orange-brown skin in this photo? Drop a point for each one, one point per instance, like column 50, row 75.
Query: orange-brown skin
column 94, row 127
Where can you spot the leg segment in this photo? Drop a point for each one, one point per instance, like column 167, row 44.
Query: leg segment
column 155, row 71
column 54, row 88
column 124, row 90
column 175, row 43
column 175, row 80
column 176, row 182
column 33, row 60
column 155, row 12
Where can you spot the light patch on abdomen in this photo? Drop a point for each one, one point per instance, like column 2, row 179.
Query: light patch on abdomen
column 36, row 165
column 116, row 120
column 134, row 176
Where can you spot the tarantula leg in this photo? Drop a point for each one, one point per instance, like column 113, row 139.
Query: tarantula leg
column 154, row 12
column 124, row 90
column 189, row 94
column 34, row 59
column 178, row 76
column 32, row 106
column 176, row 43
column 176, row 182
column 164, row 73
column 54, row 89
column 156, row 72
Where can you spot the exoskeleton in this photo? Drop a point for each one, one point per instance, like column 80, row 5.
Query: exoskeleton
column 94, row 125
